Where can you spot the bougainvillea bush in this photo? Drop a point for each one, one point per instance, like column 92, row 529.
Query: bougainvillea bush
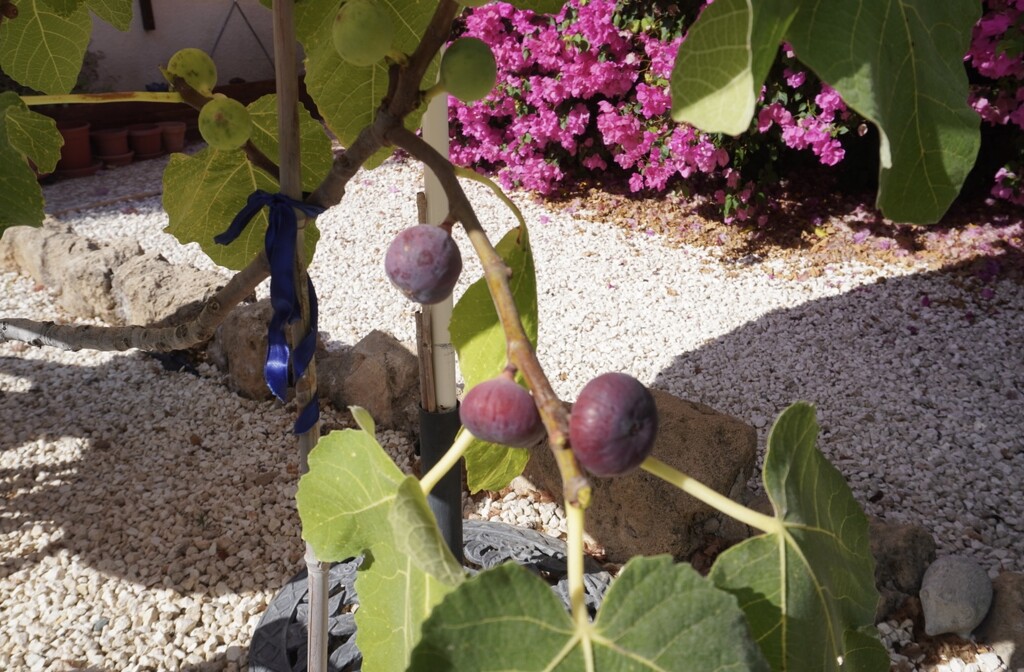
column 997, row 57
column 586, row 92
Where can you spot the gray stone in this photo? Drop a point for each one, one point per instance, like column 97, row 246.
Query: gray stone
column 150, row 290
column 380, row 374
column 239, row 347
column 902, row 553
column 77, row 270
column 641, row 514
column 1003, row 627
column 113, row 281
column 955, row 596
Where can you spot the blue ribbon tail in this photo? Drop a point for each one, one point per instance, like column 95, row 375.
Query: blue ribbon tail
column 308, row 417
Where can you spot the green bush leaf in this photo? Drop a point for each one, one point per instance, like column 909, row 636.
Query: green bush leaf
column 721, row 66
column 315, row 146
column 348, row 96
column 203, row 193
column 43, row 50
column 808, row 592
column 23, row 135
column 479, row 341
column 355, row 501
column 657, row 615
column 900, row 64
column 539, row 6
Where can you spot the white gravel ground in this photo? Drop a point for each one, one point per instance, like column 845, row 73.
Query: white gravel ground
column 148, row 516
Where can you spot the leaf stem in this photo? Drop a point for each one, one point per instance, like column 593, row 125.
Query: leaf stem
column 447, row 462
column 575, row 517
column 490, row 184
column 112, row 97
column 695, row 488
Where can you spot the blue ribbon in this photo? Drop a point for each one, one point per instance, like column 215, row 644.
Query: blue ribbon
column 280, row 248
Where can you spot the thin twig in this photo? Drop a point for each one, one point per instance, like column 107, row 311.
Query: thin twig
column 520, row 351
column 155, row 339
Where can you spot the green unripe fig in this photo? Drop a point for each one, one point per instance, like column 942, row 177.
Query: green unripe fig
column 224, row 123
column 362, row 32
column 195, row 67
column 468, row 69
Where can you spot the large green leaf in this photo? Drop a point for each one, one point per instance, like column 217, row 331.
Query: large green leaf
column 355, row 501
column 657, row 615
column 204, row 192
column 717, row 77
column 491, row 466
column 62, row 7
column 479, row 341
column 900, row 64
column 23, row 135
column 348, row 96
column 315, row 146
column 33, row 135
column 117, row 13
column 43, row 50
column 417, row 535
column 809, row 591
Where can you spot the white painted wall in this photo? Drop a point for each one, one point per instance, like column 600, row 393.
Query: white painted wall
column 129, row 60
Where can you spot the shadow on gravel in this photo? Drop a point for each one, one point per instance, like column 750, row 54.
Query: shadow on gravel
column 173, row 494
column 948, row 375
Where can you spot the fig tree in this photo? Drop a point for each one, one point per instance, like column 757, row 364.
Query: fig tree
column 195, row 67
column 424, row 263
column 500, row 411
column 362, row 32
column 468, row 69
column 613, row 424
column 224, row 123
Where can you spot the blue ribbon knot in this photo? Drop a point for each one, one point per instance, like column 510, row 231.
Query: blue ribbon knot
column 280, row 248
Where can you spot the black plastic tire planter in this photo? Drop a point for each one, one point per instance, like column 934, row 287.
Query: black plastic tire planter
column 279, row 642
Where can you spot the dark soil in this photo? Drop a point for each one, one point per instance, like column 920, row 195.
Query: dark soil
column 814, row 218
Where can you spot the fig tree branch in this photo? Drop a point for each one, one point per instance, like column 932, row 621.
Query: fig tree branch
column 154, row 339
column 520, row 351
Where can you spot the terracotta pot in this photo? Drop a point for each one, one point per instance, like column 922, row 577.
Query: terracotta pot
column 110, row 141
column 173, row 134
column 115, row 160
column 75, row 153
column 145, row 140
column 84, row 171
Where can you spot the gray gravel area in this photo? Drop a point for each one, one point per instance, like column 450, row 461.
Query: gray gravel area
column 148, row 516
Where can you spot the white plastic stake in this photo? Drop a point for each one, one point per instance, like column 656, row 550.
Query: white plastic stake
column 437, row 316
